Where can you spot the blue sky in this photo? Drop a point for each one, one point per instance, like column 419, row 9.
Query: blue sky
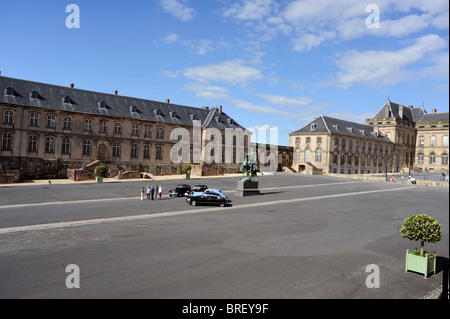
column 268, row 63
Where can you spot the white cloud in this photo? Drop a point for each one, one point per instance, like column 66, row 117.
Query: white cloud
column 250, row 9
column 286, row 101
column 171, row 38
column 383, row 68
column 208, row 91
column 232, row 72
column 178, row 9
column 309, row 41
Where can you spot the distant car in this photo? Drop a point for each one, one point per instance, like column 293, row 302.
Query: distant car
column 180, row 190
column 197, row 188
column 208, row 197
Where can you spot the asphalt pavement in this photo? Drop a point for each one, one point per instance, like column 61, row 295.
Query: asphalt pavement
column 304, row 237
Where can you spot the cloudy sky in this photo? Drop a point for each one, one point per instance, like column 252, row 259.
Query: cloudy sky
column 269, row 63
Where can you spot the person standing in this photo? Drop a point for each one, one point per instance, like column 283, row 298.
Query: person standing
column 152, row 193
column 148, row 192
column 160, row 191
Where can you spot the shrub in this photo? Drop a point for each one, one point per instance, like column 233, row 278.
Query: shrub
column 101, row 171
column 185, row 168
column 421, row 227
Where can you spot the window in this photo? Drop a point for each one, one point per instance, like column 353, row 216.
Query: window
column 34, row 118
column 103, row 126
column 148, row 131
column 421, row 140
column 116, row 149
column 135, row 130
column 7, row 141
column 67, row 123
column 319, row 155
column 88, row 125
column 349, row 160
column 297, row 140
column 433, row 141
column 445, row 140
column 160, row 133
column 307, row 155
column 319, row 140
column 87, row 147
column 67, row 100
column 51, row 121
column 50, row 145
column 65, row 146
column 134, row 150
column 146, row 151
column 444, row 159
column 432, row 159
column 34, row 95
column 308, row 140
column 9, row 91
column 159, row 152
column 117, row 128
column 9, row 117
column 32, row 143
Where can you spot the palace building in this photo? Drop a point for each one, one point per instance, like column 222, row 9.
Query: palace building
column 48, row 131
column 397, row 137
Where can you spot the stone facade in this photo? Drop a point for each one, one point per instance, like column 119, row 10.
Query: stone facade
column 49, row 131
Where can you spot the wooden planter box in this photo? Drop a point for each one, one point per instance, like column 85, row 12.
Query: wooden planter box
column 98, row 179
column 420, row 264
column 187, row 176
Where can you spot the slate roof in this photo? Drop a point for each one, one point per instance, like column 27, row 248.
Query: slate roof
column 330, row 125
column 415, row 114
column 52, row 97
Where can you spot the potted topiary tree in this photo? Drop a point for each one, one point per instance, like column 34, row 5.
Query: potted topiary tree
column 100, row 172
column 426, row 229
column 186, row 170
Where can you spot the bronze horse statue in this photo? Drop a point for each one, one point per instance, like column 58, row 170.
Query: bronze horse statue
column 250, row 169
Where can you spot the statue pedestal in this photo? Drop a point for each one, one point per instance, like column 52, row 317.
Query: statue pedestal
column 247, row 189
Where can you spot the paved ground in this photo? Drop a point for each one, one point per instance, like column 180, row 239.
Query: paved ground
column 304, row 237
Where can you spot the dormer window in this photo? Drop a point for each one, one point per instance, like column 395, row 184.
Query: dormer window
column 350, row 129
column 230, row 121
column 67, row 100
column 102, row 104
column 34, row 95
column 313, row 126
column 157, row 111
column 193, row 117
column 133, row 109
column 217, row 118
column 9, row 91
column 173, row 114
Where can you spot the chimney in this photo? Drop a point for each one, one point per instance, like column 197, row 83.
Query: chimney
column 411, row 107
column 400, row 110
column 116, row 92
column 386, row 110
column 167, row 101
column 72, row 85
column 434, row 111
column 205, row 107
column 220, row 109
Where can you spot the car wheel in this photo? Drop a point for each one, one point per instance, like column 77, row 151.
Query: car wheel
column 194, row 203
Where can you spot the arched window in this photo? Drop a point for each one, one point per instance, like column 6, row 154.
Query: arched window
column 66, row 146
column 297, row 155
column 432, row 159
column 307, row 155
column 86, row 147
column 50, row 145
column 319, row 155
column 444, row 159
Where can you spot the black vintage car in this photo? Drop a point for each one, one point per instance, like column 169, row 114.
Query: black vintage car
column 208, row 198
column 180, row 190
column 197, row 188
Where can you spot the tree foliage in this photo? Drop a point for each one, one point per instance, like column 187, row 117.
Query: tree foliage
column 421, row 227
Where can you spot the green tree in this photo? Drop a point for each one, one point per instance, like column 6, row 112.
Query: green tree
column 101, row 171
column 421, row 227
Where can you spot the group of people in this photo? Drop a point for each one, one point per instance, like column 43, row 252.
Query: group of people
column 152, row 192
